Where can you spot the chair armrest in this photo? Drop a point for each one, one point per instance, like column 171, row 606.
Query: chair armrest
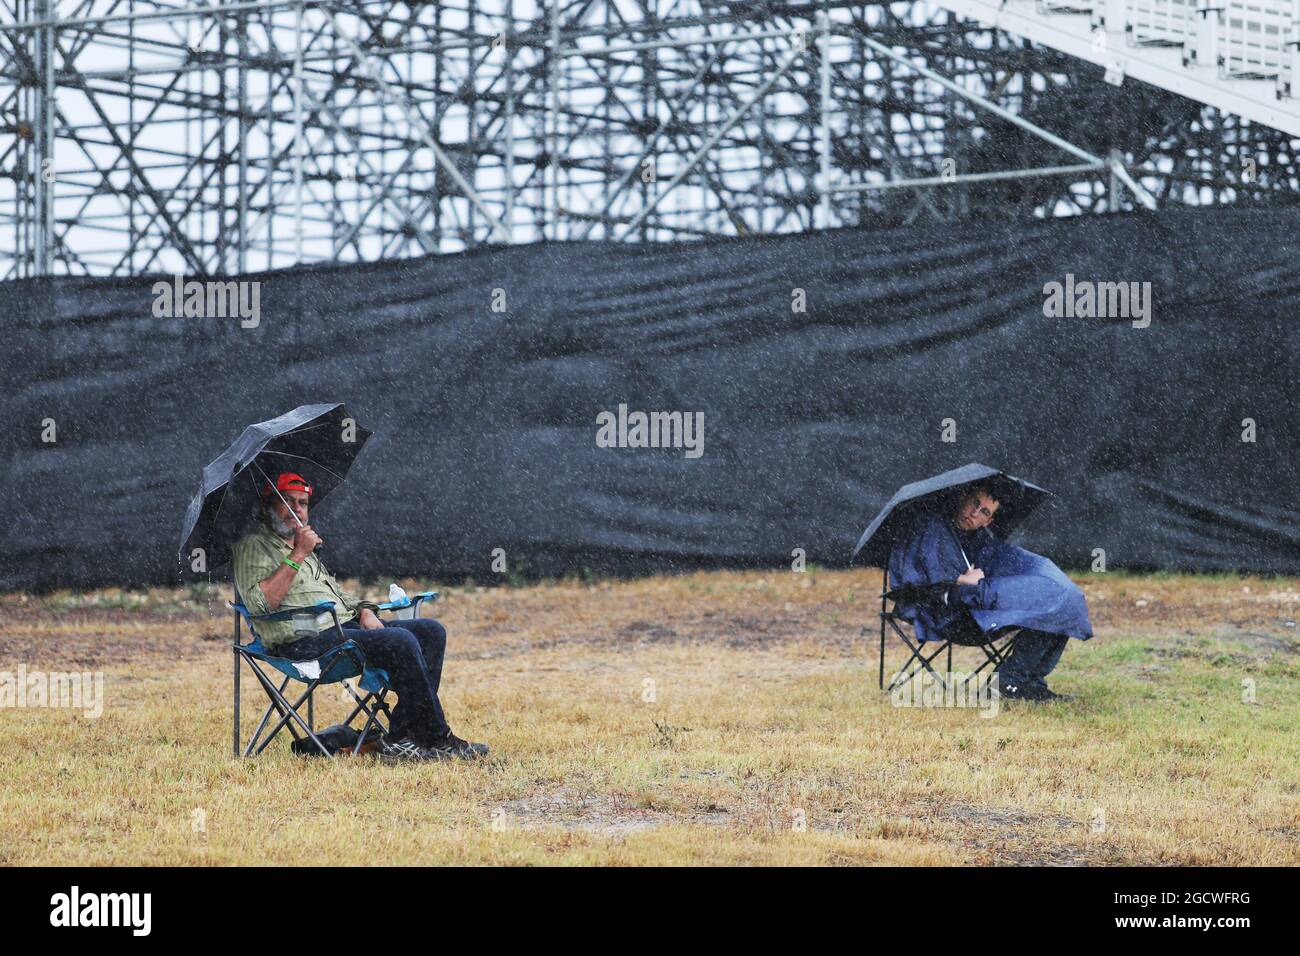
column 286, row 613
column 400, row 605
column 919, row 593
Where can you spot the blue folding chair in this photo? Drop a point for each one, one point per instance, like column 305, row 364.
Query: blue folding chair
column 337, row 665
column 996, row 644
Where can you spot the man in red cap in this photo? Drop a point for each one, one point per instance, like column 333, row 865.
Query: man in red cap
column 277, row 565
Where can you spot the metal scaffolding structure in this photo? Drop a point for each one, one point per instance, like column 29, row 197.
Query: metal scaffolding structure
column 144, row 137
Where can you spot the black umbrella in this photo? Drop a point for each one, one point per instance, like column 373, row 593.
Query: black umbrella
column 1017, row 497
column 313, row 440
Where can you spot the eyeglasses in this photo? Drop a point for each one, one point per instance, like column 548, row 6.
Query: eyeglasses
column 979, row 508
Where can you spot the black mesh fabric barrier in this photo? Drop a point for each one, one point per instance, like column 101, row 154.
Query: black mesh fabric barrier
column 828, row 368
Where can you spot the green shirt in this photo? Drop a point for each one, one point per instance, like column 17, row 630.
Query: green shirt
column 256, row 556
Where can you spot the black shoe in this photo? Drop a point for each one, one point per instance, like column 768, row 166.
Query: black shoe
column 1046, row 693
column 452, row 747
column 1018, row 692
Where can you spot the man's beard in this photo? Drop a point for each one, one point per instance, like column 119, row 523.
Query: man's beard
column 282, row 528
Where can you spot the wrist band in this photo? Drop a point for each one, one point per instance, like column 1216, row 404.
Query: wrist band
column 292, row 564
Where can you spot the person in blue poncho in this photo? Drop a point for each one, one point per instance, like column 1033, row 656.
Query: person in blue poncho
column 995, row 585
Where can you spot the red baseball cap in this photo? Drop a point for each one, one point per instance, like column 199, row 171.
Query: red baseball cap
column 287, row 481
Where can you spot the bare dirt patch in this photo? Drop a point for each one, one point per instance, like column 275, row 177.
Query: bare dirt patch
column 608, row 814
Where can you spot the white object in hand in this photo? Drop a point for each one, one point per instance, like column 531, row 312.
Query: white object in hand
column 396, row 595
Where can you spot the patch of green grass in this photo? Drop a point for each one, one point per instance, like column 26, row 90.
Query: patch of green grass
column 1120, row 651
column 114, row 599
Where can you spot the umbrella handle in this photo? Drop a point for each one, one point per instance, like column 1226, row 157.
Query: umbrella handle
column 320, row 545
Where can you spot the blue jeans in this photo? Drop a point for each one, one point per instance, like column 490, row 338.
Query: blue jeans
column 411, row 652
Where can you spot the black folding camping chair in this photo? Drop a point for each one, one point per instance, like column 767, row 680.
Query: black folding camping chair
column 336, row 666
column 996, row 645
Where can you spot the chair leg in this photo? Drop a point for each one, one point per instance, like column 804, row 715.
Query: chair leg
column 980, row 682
column 257, row 733
column 923, row 664
column 309, row 695
column 288, row 713
column 882, row 653
column 235, row 735
column 372, row 713
column 266, row 715
column 925, row 661
column 293, row 714
column 994, row 655
column 884, row 589
column 907, row 672
column 372, row 720
column 290, row 717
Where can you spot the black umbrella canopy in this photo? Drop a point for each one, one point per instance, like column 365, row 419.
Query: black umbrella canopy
column 316, row 441
column 1018, row 498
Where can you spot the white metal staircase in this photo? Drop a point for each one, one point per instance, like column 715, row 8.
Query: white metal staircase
column 1240, row 56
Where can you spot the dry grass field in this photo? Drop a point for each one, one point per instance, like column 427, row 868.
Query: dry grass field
column 710, row 718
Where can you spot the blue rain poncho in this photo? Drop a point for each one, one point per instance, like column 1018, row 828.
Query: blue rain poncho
column 1019, row 589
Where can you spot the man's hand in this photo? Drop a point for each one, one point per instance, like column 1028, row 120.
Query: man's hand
column 304, row 542
column 971, row 576
column 369, row 619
